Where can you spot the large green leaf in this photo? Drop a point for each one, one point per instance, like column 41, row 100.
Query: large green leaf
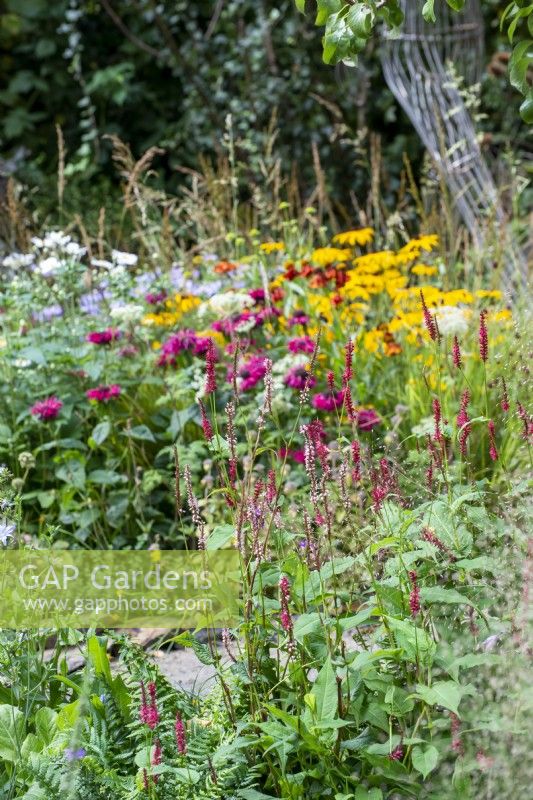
column 325, row 693
column 425, row 759
column 445, row 693
column 46, row 725
column 11, row 732
column 219, row 536
column 417, row 645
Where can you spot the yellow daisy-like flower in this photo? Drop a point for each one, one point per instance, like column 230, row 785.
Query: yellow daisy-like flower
column 456, row 296
column 427, row 242
column 156, row 345
column 325, row 255
column 423, row 269
column 271, row 247
column 351, row 238
column 500, row 316
column 184, row 303
column 494, row 294
column 374, row 262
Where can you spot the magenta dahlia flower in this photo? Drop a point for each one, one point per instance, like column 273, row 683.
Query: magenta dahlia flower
column 328, row 401
column 299, row 378
column 367, row 419
column 301, row 344
column 251, row 372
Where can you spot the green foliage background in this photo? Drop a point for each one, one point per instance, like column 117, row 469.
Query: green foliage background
column 168, row 74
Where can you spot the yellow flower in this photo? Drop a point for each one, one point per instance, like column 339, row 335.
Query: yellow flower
column 156, row 345
column 427, row 242
column 423, row 269
column 351, row 238
column 325, row 255
column 372, row 341
column 500, row 316
column 456, row 296
column 321, row 307
column 493, row 293
column 217, row 336
column 374, row 262
column 271, row 247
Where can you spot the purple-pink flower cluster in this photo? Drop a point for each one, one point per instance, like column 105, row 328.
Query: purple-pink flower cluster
column 47, row 409
column 101, row 394
column 103, row 337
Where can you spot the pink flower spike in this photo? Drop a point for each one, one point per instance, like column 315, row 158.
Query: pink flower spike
column 348, row 358
column 414, row 597
column 429, row 320
column 210, row 362
column 483, row 337
column 504, row 403
column 493, row 453
column 181, row 738
column 456, row 354
column 206, row 424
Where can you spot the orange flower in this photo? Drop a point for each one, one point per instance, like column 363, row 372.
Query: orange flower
column 224, row 266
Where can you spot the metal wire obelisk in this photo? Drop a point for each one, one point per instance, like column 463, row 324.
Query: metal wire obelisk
column 416, row 67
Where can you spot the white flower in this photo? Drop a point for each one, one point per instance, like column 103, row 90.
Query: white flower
column 227, row 304
column 124, row 259
column 100, row 262
column 282, row 365
column 75, row 250
column 48, row 266
column 7, row 529
column 16, row 260
column 452, row 320
column 245, row 325
column 130, row 312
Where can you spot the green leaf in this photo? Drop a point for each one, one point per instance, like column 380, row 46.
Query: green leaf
column 415, row 642
column 428, row 11
column 46, row 725
column 73, row 473
column 219, row 536
column 360, row 19
column 325, row 8
column 457, row 5
column 141, row 432
column 526, row 108
column 438, row 594
column 425, row 759
column 521, row 58
column 445, row 693
column 325, row 692
column 105, row 477
column 97, row 653
column 472, row 660
column 368, row 794
column 46, row 498
column 307, row 624
column 300, row 5
column 11, row 732
column 481, row 563
column 101, row 432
